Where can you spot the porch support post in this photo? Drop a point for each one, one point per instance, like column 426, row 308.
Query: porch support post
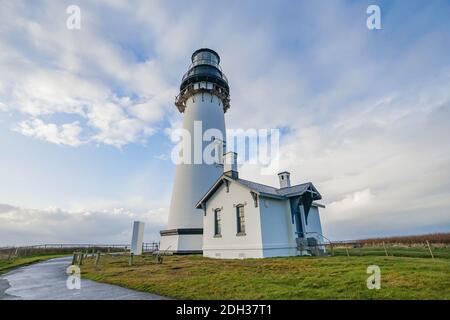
column 302, row 220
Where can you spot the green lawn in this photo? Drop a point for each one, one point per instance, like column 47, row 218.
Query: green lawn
column 338, row 277
column 7, row 265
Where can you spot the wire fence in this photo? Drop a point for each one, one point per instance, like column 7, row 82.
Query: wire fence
column 12, row 252
column 421, row 246
column 424, row 249
column 415, row 249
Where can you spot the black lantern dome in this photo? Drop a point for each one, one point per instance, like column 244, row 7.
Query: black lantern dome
column 205, row 69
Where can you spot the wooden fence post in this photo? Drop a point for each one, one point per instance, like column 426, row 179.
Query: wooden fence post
column 385, row 250
column 130, row 262
column 97, row 259
column 159, row 257
column 74, row 258
column 429, row 248
column 80, row 258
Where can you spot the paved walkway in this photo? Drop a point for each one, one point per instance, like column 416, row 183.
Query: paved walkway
column 47, row 281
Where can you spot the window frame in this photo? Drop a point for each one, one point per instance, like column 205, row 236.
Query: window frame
column 217, row 223
column 240, row 220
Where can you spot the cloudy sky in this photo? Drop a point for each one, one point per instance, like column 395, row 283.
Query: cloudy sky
column 85, row 114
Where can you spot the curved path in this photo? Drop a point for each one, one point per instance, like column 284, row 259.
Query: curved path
column 47, row 281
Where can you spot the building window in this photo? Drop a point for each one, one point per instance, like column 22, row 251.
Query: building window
column 240, row 218
column 255, row 198
column 217, row 223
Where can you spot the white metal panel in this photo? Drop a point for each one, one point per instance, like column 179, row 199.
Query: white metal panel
column 137, row 238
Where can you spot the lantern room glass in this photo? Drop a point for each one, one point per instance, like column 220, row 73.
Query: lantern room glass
column 205, row 57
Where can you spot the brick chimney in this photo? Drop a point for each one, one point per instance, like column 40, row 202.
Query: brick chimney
column 285, row 179
column 230, row 165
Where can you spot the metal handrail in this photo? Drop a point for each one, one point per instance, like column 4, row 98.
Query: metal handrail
column 322, row 244
column 319, row 235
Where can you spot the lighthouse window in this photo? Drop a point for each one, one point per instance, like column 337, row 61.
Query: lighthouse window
column 206, row 57
column 217, row 223
column 240, row 219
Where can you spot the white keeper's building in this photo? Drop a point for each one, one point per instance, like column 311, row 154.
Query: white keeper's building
column 244, row 219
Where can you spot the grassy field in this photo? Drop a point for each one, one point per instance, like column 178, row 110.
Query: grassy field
column 338, row 277
column 433, row 238
column 7, row 265
column 396, row 251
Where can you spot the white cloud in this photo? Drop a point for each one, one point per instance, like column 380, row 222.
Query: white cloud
column 53, row 225
column 357, row 201
column 385, row 177
column 162, row 157
column 66, row 134
column 46, row 69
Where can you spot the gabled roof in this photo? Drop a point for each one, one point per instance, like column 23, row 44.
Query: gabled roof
column 298, row 189
column 258, row 187
column 263, row 190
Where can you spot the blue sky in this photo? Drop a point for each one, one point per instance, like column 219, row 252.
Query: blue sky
column 85, row 114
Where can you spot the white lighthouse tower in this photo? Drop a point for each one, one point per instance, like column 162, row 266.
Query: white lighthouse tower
column 204, row 98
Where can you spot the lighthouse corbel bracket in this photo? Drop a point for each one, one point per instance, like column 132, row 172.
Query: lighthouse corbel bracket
column 221, row 92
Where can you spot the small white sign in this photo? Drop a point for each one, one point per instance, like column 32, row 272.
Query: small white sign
column 138, row 238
